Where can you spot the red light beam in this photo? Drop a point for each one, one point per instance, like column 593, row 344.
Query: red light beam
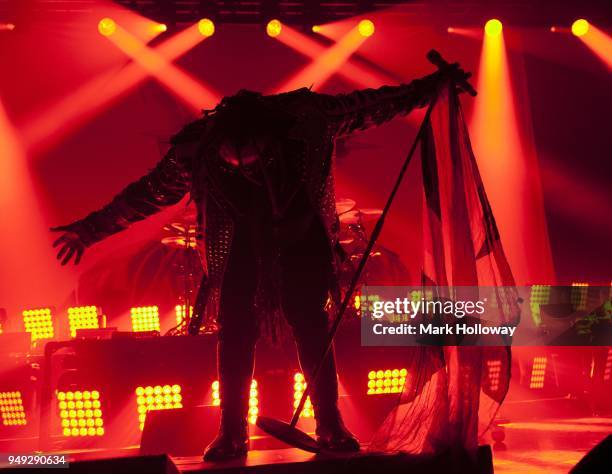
column 86, row 102
column 599, row 42
column 327, row 63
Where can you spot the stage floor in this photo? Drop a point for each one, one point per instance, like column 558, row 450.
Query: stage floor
column 552, row 446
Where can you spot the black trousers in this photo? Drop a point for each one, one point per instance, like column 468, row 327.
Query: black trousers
column 305, row 274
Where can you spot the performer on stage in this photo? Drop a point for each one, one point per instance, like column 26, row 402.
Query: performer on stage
column 259, row 169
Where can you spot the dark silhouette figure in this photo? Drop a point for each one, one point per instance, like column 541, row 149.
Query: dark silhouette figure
column 259, row 169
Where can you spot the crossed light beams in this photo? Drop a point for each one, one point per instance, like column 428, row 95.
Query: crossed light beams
column 325, row 61
column 597, row 41
column 509, row 168
column 345, row 67
column 185, row 87
column 73, row 110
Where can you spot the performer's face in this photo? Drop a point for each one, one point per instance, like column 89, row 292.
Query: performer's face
column 247, row 153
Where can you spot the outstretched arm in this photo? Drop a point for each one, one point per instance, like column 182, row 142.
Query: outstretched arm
column 362, row 109
column 164, row 185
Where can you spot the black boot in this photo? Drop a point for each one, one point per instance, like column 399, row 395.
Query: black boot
column 231, row 442
column 331, row 433
column 236, row 358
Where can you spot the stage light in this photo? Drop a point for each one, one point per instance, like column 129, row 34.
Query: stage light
column 80, row 413
column 540, row 294
column 179, row 310
column 386, row 381
column 186, row 87
column 39, row 323
column 506, row 156
column 579, row 295
column 316, row 28
column 7, row 26
column 83, row 317
column 145, row 318
column 206, row 27
column 580, row 27
column 216, row 400
column 160, row 28
column 366, row 28
column 253, row 399
column 450, row 29
column 325, row 64
column 493, row 27
column 608, row 367
column 299, row 385
column 253, row 402
column 107, row 26
column 274, row 28
column 597, row 40
column 157, row 397
column 538, row 371
column 493, row 374
column 12, row 410
column 84, row 103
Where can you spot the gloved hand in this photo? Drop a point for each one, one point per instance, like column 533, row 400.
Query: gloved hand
column 71, row 245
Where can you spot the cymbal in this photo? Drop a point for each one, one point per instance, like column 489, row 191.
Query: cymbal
column 344, row 205
column 370, row 211
column 179, row 242
column 359, row 216
column 180, row 228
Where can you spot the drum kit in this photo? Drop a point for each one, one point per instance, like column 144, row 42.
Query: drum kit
column 182, row 235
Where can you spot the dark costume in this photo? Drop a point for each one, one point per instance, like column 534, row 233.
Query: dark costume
column 271, row 229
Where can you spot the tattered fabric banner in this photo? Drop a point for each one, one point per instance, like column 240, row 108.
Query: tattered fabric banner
column 451, row 391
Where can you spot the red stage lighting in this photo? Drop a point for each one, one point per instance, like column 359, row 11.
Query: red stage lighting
column 493, row 27
column 538, row 371
column 493, row 374
column 366, row 28
column 579, row 296
column 608, row 368
column 80, row 413
column 7, row 26
column 12, row 410
column 145, row 318
column 206, row 27
column 386, row 381
column 580, row 27
column 253, row 402
column 39, row 323
column 274, row 28
column 597, row 40
column 179, row 311
column 540, row 294
column 298, row 389
column 158, row 397
column 83, row 317
column 107, row 26
column 253, row 399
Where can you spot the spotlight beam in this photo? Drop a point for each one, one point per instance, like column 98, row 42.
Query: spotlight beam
column 326, row 61
column 29, row 273
column 86, row 102
column 598, row 42
column 188, row 89
column 509, row 165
